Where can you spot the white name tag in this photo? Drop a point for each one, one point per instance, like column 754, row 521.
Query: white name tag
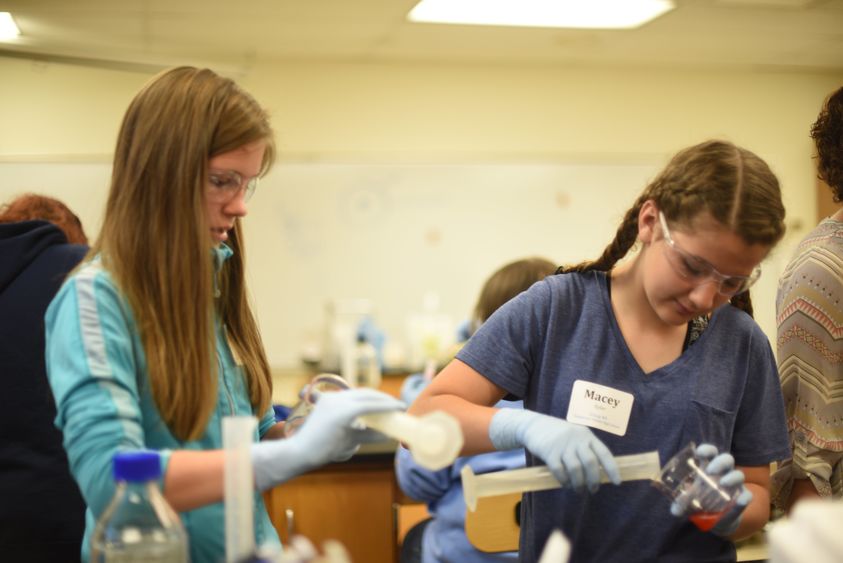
column 601, row 407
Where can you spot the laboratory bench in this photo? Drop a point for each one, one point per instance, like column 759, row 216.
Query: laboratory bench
column 287, row 382
column 357, row 502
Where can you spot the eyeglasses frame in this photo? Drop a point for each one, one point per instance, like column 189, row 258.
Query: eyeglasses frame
column 247, row 186
column 711, row 273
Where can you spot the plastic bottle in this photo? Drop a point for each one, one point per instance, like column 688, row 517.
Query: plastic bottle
column 138, row 524
column 368, row 366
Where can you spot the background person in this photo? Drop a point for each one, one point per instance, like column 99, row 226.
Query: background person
column 809, row 319
column 442, row 538
column 42, row 514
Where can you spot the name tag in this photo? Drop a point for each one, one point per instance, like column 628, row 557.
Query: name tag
column 601, row 407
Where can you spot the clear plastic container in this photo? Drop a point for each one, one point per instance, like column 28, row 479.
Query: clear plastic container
column 138, row 525
column 704, row 499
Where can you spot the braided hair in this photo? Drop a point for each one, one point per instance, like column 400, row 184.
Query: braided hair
column 732, row 184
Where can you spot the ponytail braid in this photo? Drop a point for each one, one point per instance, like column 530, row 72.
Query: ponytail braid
column 624, row 240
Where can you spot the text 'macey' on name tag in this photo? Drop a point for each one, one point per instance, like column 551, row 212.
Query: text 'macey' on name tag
column 601, row 407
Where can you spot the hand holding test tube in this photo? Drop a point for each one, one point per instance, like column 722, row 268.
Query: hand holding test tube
column 539, row 478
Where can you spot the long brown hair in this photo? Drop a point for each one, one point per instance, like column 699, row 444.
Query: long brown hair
column 154, row 239
column 732, row 184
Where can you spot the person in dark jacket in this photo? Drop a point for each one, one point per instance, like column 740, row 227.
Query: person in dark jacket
column 42, row 514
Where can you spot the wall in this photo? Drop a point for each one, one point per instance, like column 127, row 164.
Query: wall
column 331, row 113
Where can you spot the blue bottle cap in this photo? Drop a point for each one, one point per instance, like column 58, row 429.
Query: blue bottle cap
column 140, row 465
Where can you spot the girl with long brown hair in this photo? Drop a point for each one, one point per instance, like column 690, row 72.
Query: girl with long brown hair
column 152, row 341
column 615, row 357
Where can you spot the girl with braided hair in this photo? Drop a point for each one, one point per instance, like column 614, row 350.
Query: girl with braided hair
column 634, row 352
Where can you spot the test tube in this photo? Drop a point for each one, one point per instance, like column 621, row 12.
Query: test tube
column 239, row 487
column 539, row 478
column 434, row 439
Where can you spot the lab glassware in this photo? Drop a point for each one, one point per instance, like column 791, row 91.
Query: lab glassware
column 239, row 486
column 539, row 478
column 704, row 499
column 322, row 383
column 138, row 524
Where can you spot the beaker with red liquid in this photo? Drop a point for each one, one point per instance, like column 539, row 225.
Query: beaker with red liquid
column 697, row 494
column 705, row 520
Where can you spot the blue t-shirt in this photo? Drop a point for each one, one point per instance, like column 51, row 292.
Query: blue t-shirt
column 723, row 390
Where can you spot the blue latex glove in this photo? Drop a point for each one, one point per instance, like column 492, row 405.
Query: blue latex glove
column 572, row 452
column 721, row 466
column 328, row 434
column 412, row 387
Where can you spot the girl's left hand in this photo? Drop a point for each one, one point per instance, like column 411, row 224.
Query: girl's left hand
column 721, row 466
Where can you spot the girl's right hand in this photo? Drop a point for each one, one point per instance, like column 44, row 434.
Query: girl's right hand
column 328, row 434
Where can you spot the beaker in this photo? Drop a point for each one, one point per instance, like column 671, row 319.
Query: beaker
column 701, row 496
column 322, row 383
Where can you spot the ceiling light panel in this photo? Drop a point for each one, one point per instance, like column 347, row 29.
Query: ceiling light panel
column 590, row 14
column 8, row 29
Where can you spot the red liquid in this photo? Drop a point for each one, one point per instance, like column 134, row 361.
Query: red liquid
column 705, row 520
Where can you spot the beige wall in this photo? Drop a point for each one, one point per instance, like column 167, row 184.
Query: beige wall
column 459, row 113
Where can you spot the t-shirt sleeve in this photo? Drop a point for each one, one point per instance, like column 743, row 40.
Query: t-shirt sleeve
column 505, row 348
column 809, row 318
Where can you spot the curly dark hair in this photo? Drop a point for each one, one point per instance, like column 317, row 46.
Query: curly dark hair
column 827, row 132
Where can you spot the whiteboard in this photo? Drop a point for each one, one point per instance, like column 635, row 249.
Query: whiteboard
column 392, row 233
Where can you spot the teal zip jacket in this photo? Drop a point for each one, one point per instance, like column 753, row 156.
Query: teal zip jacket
column 97, row 370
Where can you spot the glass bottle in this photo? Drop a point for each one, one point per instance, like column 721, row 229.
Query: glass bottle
column 138, row 524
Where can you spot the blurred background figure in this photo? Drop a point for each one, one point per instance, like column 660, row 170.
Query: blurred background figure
column 809, row 318
column 42, row 512
column 442, row 537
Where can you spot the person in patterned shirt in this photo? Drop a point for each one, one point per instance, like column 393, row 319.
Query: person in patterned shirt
column 809, row 316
